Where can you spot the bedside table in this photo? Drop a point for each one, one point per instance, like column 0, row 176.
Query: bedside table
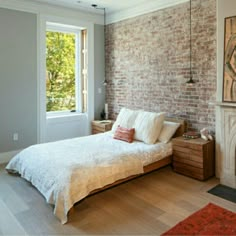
column 194, row 157
column 101, row 126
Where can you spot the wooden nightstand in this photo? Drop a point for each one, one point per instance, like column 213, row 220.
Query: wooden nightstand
column 101, row 126
column 194, row 157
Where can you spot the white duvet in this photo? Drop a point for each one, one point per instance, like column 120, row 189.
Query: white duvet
column 67, row 171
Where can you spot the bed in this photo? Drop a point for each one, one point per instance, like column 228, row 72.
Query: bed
column 69, row 170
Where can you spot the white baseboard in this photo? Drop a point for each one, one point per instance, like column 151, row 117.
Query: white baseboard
column 5, row 157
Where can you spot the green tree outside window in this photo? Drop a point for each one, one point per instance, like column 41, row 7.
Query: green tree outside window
column 60, row 76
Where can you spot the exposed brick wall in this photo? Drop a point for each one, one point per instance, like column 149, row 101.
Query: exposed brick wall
column 147, row 63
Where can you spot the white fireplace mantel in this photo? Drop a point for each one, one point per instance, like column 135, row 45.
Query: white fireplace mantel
column 223, row 104
column 226, row 143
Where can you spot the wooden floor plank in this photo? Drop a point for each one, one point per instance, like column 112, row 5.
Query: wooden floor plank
column 169, row 219
column 9, row 225
column 14, row 202
column 148, row 205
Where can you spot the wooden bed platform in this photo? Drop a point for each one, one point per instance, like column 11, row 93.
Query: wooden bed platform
column 151, row 167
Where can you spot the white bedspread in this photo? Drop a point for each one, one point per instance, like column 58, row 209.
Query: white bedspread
column 67, row 171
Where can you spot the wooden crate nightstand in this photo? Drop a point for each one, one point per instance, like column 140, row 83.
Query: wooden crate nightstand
column 194, row 157
column 101, row 126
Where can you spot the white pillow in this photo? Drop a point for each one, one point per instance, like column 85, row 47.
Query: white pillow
column 168, row 130
column 148, row 126
column 125, row 119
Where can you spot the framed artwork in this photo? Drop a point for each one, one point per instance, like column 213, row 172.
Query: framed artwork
column 229, row 83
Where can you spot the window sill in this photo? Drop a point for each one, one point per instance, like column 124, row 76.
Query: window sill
column 65, row 117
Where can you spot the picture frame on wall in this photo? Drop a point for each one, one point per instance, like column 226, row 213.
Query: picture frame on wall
column 229, row 77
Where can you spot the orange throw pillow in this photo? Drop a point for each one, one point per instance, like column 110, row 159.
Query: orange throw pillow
column 124, row 134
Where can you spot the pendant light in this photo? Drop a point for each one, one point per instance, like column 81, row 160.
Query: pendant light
column 190, row 81
column 104, row 15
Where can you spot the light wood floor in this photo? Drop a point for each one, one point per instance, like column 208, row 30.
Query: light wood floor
column 148, row 205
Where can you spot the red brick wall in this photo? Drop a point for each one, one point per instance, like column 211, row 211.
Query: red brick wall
column 147, row 63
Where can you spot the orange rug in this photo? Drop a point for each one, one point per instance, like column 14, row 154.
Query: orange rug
column 210, row 220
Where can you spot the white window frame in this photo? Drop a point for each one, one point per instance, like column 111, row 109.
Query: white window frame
column 62, row 28
column 87, row 116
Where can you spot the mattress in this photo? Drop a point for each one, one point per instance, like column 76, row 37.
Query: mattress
column 146, row 153
column 67, row 171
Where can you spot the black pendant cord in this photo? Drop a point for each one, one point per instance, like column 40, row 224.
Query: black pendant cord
column 105, row 81
column 190, row 81
column 190, row 40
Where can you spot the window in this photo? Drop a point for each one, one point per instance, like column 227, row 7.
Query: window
column 66, row 73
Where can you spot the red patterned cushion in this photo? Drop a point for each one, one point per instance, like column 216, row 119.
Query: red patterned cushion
column 124, row 134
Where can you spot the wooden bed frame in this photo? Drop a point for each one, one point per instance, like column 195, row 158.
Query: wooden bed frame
column 151, row 167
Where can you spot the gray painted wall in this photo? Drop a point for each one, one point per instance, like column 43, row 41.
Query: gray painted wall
column 99, row 62
column 18, row 79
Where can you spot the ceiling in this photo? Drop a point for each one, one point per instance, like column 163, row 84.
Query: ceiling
column 116, row 10
column 110, row 5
